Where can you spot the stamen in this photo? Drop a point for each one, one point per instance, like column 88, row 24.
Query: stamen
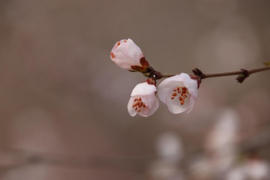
column 112, row 55
column 182, row 92
column 138, row 104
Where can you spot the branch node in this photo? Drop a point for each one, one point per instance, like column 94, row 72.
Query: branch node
column 243, row 75
column 152, row 73
column 198, row 75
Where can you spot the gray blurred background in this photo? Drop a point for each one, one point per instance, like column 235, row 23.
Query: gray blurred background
column 63, row 101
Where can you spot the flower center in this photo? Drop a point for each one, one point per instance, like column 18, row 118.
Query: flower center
column 182, row 92
column 138, row 104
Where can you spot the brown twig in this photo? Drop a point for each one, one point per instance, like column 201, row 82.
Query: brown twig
column 242, row 74
column 251, row 71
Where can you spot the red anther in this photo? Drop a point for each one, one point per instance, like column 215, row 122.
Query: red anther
column 138, row 104
column 112, row 55
column 183, row 94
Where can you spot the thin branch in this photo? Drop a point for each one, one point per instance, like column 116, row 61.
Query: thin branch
column 251, row 71
column 242, row 74
column 166, row 75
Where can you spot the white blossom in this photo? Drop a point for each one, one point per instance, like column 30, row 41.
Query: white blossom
column 143, row 100
column 178, row 93
column 127, row 55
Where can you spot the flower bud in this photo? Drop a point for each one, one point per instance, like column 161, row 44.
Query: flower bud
column 127, row 55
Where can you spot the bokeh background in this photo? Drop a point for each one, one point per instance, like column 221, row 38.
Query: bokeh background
column 63, row 101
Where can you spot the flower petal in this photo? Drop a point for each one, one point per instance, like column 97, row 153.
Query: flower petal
column 131, row 110
column 126, row 53
column 143, row 89
column 175, row 107
column 166, row 87
column 151, row 103
column 154, row 107
column 191, row 104
column 189, row 83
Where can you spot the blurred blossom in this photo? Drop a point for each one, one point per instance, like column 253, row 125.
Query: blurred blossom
column 170, row 150
column 257, row 169
column 226, row 124
column 202, row 169
column 251, row 169
column 221, row 141
column 169, row 147
column 237, row 173
column 220, row 147
column 162, row 170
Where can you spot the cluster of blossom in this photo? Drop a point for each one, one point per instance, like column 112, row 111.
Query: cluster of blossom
column 178, row 92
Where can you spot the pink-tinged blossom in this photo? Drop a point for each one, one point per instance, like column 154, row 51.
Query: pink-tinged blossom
column 256, row 169
column 143, row 100
column 127, row 55
column 178, row 93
